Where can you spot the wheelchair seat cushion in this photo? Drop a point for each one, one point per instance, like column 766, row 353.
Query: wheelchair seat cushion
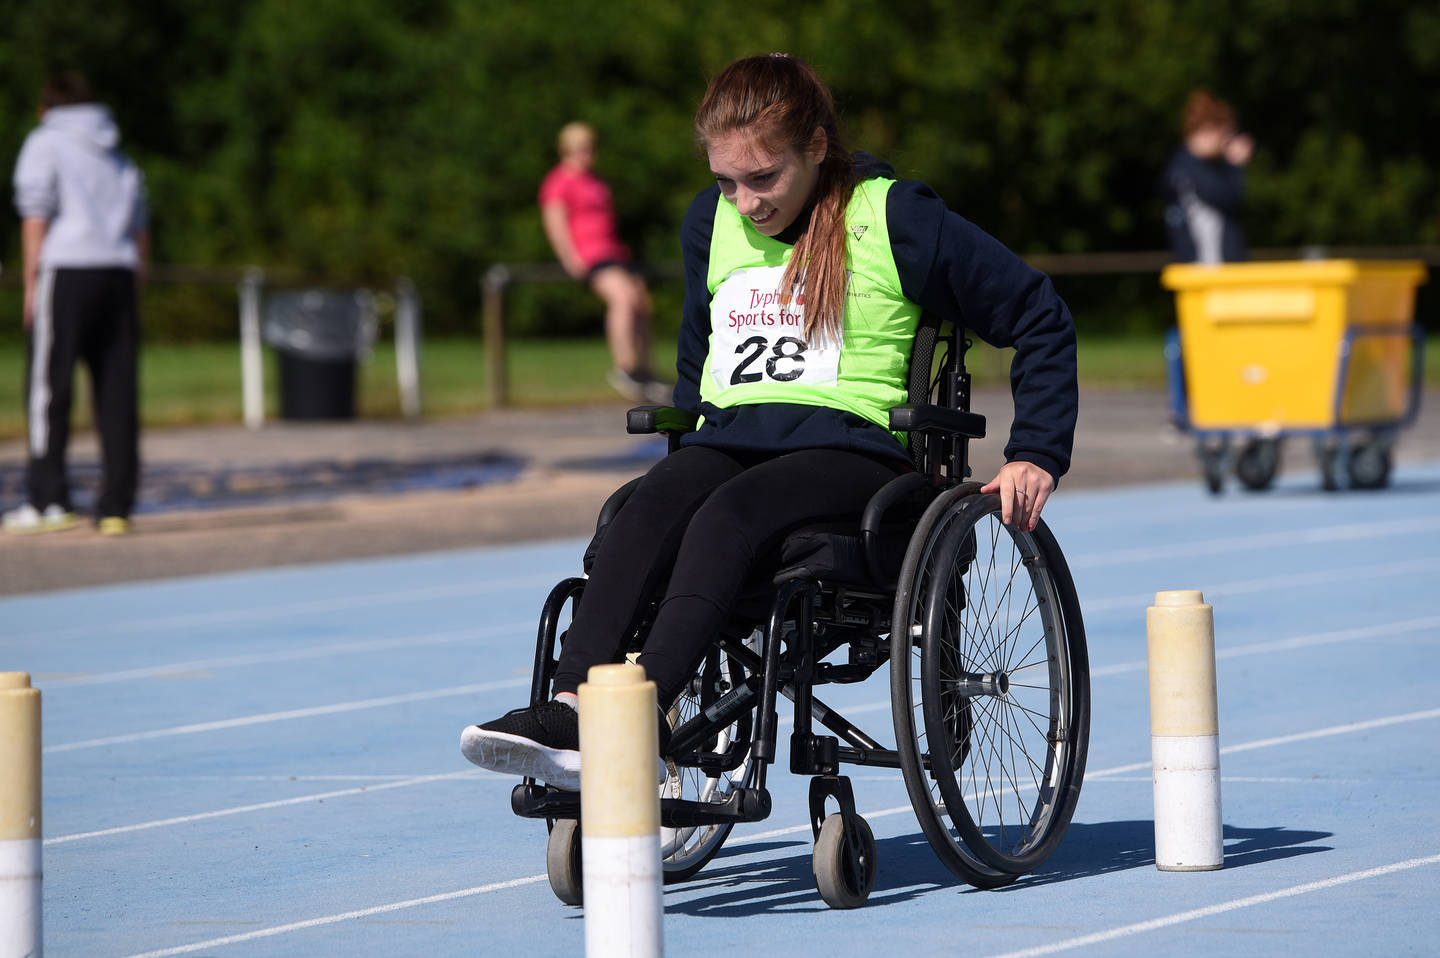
column 836, row 552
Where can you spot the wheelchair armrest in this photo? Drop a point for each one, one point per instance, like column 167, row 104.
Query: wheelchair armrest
column 894, row 492
column 643, row 420
column 922, row 417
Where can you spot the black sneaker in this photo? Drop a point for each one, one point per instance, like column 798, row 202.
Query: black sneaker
column 540, row 742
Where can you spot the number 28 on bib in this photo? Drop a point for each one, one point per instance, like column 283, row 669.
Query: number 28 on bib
column 756, row 337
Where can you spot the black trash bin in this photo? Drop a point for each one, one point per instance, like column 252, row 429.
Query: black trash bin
column 319, row 336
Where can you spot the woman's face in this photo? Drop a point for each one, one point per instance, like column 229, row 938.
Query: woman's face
column 770, row 189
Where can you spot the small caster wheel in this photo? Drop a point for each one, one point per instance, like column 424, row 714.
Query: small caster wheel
column 1257, row 463
column 562, row 862
column 844, row 862
column 1369, row 464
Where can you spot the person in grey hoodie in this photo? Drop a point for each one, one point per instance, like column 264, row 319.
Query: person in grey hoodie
column 85, row 245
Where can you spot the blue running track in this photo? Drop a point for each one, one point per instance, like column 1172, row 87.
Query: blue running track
column 267, row 763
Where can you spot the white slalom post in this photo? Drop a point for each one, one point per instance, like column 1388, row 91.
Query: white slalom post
column 1184, row 732
column 620, row 814
column 252, row 356
column 407, row 346
column 20, row 914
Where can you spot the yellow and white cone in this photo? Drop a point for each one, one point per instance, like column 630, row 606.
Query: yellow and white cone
column 1184, row 732
column 620, row 814
column 20, row 914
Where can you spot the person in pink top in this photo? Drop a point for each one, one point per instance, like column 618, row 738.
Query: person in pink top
column 579, row 220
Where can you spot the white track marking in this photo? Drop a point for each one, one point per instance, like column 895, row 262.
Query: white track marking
column 252, row 612
column 776, row 833
column 267, row 717
column 1117, row 770
column 287, row 655
column 1349, row 532
column 1124, row 931
column 1294, row 642
column 343, row 916
column 262, row 806
column 1333, row 730
column 1273, row 583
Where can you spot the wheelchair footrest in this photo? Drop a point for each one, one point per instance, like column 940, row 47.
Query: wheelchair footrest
column 542, row 801
column 741, row 805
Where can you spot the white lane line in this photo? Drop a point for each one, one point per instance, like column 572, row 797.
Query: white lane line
column 741, row 840
column 253, row 612
column 1349, row 532
column 287, row 655
column 263, row 806
column 1139, row 601
column 1115, row 770
column 1344, row 635
column 267, row 717
column 343, row 916
column 1124, row 931
column 1333, row 730
column 1274, row 583
column 1429, row 623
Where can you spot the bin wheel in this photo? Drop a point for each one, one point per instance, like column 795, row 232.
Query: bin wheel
column 844, row 861
column 562, row 862
column 1257, row 463
column 1369, row 464
column 1327, row 454
column 1213, row 456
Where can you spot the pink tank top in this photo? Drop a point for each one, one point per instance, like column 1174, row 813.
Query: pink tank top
column 589, row 213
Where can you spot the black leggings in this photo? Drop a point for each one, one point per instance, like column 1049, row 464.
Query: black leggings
column 704, row 516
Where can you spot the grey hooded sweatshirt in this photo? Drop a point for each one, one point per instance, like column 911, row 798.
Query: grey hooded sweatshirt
column 71, row 173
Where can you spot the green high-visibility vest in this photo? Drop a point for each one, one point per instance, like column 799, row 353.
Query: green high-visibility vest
column 758, row 351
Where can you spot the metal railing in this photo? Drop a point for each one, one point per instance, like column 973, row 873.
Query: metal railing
column 499, row 278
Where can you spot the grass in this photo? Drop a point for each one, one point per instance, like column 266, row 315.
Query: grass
column 200, row 383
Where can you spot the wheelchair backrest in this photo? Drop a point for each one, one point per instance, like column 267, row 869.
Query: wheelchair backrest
column 944, row 384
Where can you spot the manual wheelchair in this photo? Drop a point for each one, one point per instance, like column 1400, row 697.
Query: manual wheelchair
column 978, row 621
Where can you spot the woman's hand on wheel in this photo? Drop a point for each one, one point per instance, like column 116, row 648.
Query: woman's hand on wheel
column 1023, row 488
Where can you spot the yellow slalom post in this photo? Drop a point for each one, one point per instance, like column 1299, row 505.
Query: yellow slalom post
column 620, row 814
column 20, row 914
column 1184, row 732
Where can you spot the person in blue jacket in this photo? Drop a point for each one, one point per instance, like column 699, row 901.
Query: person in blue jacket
column 806, row 269
column 1203, row 185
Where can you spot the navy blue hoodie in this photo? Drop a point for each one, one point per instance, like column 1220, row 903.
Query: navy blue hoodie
column 947, row 266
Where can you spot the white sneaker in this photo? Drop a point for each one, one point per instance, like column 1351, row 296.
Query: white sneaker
column 27, row 520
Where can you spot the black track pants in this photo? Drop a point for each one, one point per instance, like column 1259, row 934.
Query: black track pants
column 703, row 517
column 87, row 314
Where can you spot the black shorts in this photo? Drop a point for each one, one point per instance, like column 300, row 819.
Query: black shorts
column 626, row 265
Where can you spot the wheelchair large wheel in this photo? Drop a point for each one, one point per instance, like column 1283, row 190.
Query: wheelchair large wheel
column 989, row 688
column 685, row 850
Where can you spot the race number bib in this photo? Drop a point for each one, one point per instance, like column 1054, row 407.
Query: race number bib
column 755, row 338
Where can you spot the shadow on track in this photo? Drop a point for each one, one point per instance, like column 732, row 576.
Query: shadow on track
column 908, row 867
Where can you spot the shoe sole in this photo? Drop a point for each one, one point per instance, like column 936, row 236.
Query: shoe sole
column 52, row 526
column 502, row 752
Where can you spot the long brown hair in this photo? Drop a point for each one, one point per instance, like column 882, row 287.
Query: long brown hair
column 780, row 102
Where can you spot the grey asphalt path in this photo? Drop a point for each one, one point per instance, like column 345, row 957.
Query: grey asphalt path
column 564, row 461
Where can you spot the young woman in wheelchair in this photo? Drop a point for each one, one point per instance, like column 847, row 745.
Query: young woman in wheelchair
column 807, row 268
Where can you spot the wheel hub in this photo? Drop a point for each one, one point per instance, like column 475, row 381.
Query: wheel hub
column 971, row 684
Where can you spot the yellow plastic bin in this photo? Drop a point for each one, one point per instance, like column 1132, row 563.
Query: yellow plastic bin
column 1320, row 347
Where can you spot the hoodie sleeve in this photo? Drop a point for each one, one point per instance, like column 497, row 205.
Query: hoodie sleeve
column 694, row 342
column 1220, row 184
column 951, row 267
column 37, row 193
